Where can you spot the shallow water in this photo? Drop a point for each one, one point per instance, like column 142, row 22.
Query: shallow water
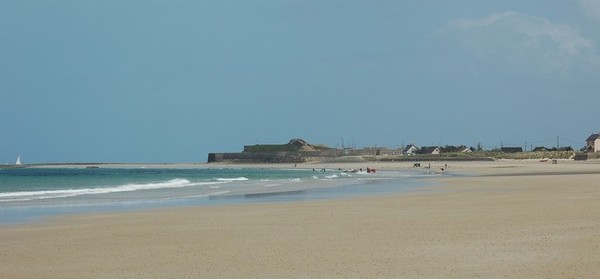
column 34, row 193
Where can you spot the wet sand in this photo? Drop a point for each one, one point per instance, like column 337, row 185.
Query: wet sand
column 506, row 219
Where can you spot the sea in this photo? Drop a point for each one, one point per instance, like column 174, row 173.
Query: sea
column 32, row 194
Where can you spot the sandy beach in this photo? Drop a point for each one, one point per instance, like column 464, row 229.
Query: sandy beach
column 508, row 219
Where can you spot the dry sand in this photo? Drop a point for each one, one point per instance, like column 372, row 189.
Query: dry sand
column 512, row 219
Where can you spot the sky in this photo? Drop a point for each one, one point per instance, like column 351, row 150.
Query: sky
column 171, row 81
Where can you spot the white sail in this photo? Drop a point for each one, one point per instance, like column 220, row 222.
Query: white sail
column 18, row 163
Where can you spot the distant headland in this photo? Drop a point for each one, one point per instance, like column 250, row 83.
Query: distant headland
column 300, row 151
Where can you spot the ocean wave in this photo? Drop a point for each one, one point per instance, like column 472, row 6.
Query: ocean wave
column 65, row 193
column 232, row 179
column 279, row 182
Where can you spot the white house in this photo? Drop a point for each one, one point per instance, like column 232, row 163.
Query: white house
column 410, row 149
column 592, row 144
column 464, row 149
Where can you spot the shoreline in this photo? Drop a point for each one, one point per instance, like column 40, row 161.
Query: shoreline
column 518, row 219
column 174, row 193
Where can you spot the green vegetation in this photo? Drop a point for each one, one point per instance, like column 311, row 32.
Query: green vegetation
column 302, row 147
column 477, row 156
column 294, row 145
column 530, row 155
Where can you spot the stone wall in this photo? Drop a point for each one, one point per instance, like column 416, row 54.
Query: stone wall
column 270, row 157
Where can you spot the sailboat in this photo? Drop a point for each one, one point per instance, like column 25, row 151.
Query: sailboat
column 18, row 165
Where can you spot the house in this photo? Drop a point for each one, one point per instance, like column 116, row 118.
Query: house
column 410, row 149
column 592, row 143
column 511, row 149
column 464, row 149
column 455, row 149
column 434, row 150
column 539, row 149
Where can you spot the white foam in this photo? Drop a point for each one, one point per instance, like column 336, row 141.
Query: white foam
column 49, row 194
column 232, row 179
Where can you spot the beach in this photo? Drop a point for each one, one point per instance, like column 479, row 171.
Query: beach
column 516, row 219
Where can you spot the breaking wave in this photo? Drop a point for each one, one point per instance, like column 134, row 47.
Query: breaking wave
column 232, row 179
column 65, row 193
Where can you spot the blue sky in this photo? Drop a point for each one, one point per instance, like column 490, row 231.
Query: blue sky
column 170, row 81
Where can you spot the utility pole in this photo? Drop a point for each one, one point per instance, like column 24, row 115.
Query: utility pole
column 557, row 143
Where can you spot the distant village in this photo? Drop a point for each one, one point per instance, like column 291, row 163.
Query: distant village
column 299, row 151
